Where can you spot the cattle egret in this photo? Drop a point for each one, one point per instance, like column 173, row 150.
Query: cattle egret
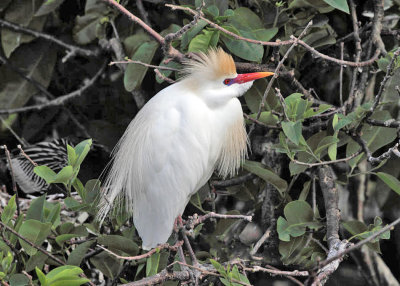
column 176, row 141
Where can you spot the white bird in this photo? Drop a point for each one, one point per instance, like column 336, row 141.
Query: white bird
column 176, row 141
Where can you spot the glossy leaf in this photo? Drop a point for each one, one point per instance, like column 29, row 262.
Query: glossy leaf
column 266, row 174
column 36, row 232
column 134, row 73
column 339, row 4
column 390, row 180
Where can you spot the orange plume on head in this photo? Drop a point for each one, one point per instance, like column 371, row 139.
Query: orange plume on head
column 213, row 64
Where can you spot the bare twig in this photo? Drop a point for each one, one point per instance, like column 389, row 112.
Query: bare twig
column 14, row 184
column 327, row 162
column 388, row 123
column 359, row 244
column 163, row 77
column 276, row 271
column 261, row 241
column 72, row 50
column 233, row 182
column 26, row 156
column 282, row 101
column 143, row 12
column 195, row 219
column 277, row 69
column 161, row 277
column 341, row 75
column 129, row 61
column 280, row 43
column 377, row 25
column 59, row 100
column 147, row 254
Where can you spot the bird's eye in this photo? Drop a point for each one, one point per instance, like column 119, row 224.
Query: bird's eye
column 227, row 81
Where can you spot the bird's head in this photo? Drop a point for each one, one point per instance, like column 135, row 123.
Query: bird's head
column 213, row 75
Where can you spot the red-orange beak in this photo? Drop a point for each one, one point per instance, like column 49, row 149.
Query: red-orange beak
column 246, row 77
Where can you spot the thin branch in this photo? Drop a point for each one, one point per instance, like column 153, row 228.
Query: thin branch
column 129, row 61
column 392, row 123
column 282, row 101
column 72, row 50
column 137, row 20
column 163, row 77
column 386, row 155
column 387, row 76
column 233, row 182
column 327, row 162
column 161, row 277
column 277, row 69
column 261, row 123
column 173, row 36
column 59, row 100
column 359, row 244
column 277, row 272
column 195, row 219
column 22, row 152
column 280, row 43
column 14, row 184
column 261, row 241
column 147, row 254
column 377, row 25
column 143, row 12
column 341, row 75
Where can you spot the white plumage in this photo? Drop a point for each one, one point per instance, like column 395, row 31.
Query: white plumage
column 175, row 143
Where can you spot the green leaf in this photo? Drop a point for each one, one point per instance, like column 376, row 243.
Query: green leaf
column 117, row 243
column 36, row 208
column 109, row 265
column 189, row 35
column 77, row 255
column 299, row 216
column 22, row 13
column 41, row 276
column 45, row 173
column 265, row 34
column 242, row 49
column 304, row 193
column 356, row 227
column 391, row 181
column 325, row 143
column 375, row 137
column 86, row 26
column 37, row 260
column 18, row 280
column 48, row 7
column 71, row 155
column 67, row 275
column 339, row 4
column 37, row 61
column 133, row 42
column 266, row 174
column 203, row 41
column 152, row 264
column 292, row 130
column 81, row 150
column 134, row 73
column 64, row 176
column 9, row 210
column 34, row 231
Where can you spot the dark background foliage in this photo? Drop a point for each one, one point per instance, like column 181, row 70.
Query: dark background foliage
column 56, row 82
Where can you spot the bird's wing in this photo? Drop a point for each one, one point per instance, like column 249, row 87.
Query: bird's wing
column 158, row 164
